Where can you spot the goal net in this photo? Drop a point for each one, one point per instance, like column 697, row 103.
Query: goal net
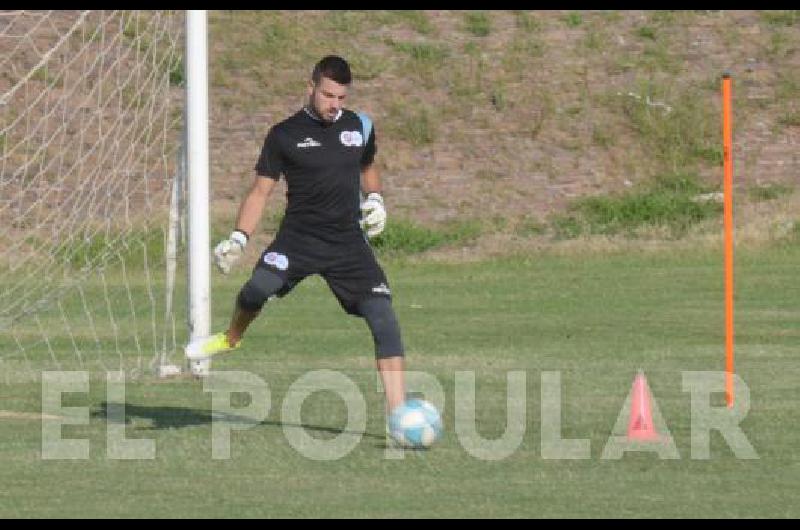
column 91, row 188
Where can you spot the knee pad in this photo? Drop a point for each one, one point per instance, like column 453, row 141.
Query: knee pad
column 382, row 322
column 261, row 285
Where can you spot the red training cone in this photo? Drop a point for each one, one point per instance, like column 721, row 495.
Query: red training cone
column 640, row 426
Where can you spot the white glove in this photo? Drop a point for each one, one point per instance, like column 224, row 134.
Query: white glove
column 228, row 251
column 373, row 215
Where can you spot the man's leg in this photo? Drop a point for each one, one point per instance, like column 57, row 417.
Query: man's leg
column 392, row 370
column 263, row 284
column 361, row 286
column 389, row 351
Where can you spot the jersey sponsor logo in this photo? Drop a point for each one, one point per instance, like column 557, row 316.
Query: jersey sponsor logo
column 279, row 261
column 351, row 138
column 309, row 142
column 381, row 289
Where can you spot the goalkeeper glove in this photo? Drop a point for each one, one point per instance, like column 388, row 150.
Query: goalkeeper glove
column 228, row 251
column 373, row 215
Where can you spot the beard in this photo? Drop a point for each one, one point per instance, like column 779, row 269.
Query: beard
column 326, row 115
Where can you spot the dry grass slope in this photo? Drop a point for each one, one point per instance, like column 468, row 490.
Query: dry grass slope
column 507, row 118
column 515, row 115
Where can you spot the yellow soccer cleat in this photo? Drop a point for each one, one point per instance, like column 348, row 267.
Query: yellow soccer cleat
column 206, row 347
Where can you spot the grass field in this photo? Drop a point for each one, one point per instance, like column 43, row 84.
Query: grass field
column 595, row 318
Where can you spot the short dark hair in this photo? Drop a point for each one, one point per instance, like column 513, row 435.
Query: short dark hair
column 334, row 68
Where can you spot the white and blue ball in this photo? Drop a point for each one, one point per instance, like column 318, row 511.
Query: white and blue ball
column 416, row 424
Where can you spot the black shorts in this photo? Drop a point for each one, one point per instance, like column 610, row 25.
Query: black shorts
column 348, row 266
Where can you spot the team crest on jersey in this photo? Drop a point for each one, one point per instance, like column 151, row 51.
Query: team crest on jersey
column 351, row 138
column 279, row 261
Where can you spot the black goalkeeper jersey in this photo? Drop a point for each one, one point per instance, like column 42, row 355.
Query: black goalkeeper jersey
column 322, row 164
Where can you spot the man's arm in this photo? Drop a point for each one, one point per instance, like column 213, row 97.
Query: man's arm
column 228, row 251
column 253, row 204
column 370, row 179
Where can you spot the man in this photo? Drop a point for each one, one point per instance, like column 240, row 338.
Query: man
column 326, row 154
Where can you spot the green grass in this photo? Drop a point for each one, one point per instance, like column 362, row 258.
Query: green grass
column 529, row 226
column 367, row 66
column 131, row 29
column 768, row 192
column 792, row 119
column 602, row 138
column 417, row 20
column 596, row 319
column 678, row 128
column 423, row 59
column 405, row 237
column 665, row 202
column 663, row 17
column 415, row 124
column 788, row 17
column 276, row 38
column 478, row 23
column 421, row 52
column 646, row 32
column 177, row 72
column 527, row 22
column 595, row 39
column 573, row 19
column 346, row 21
column 780, row 45
column 53, row 79
column 99, row 247
column 659, row 57
column 787, row 88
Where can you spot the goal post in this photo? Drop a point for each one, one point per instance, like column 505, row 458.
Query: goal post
column 197, row 149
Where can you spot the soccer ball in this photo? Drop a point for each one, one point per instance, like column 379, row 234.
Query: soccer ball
column 416, row 424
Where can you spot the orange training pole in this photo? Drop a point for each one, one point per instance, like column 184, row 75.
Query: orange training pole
column 727, row 144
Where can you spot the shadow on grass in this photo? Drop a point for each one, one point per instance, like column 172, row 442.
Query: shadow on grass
column 180, row 417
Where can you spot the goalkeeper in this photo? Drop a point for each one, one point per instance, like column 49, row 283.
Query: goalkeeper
column 326, row 154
